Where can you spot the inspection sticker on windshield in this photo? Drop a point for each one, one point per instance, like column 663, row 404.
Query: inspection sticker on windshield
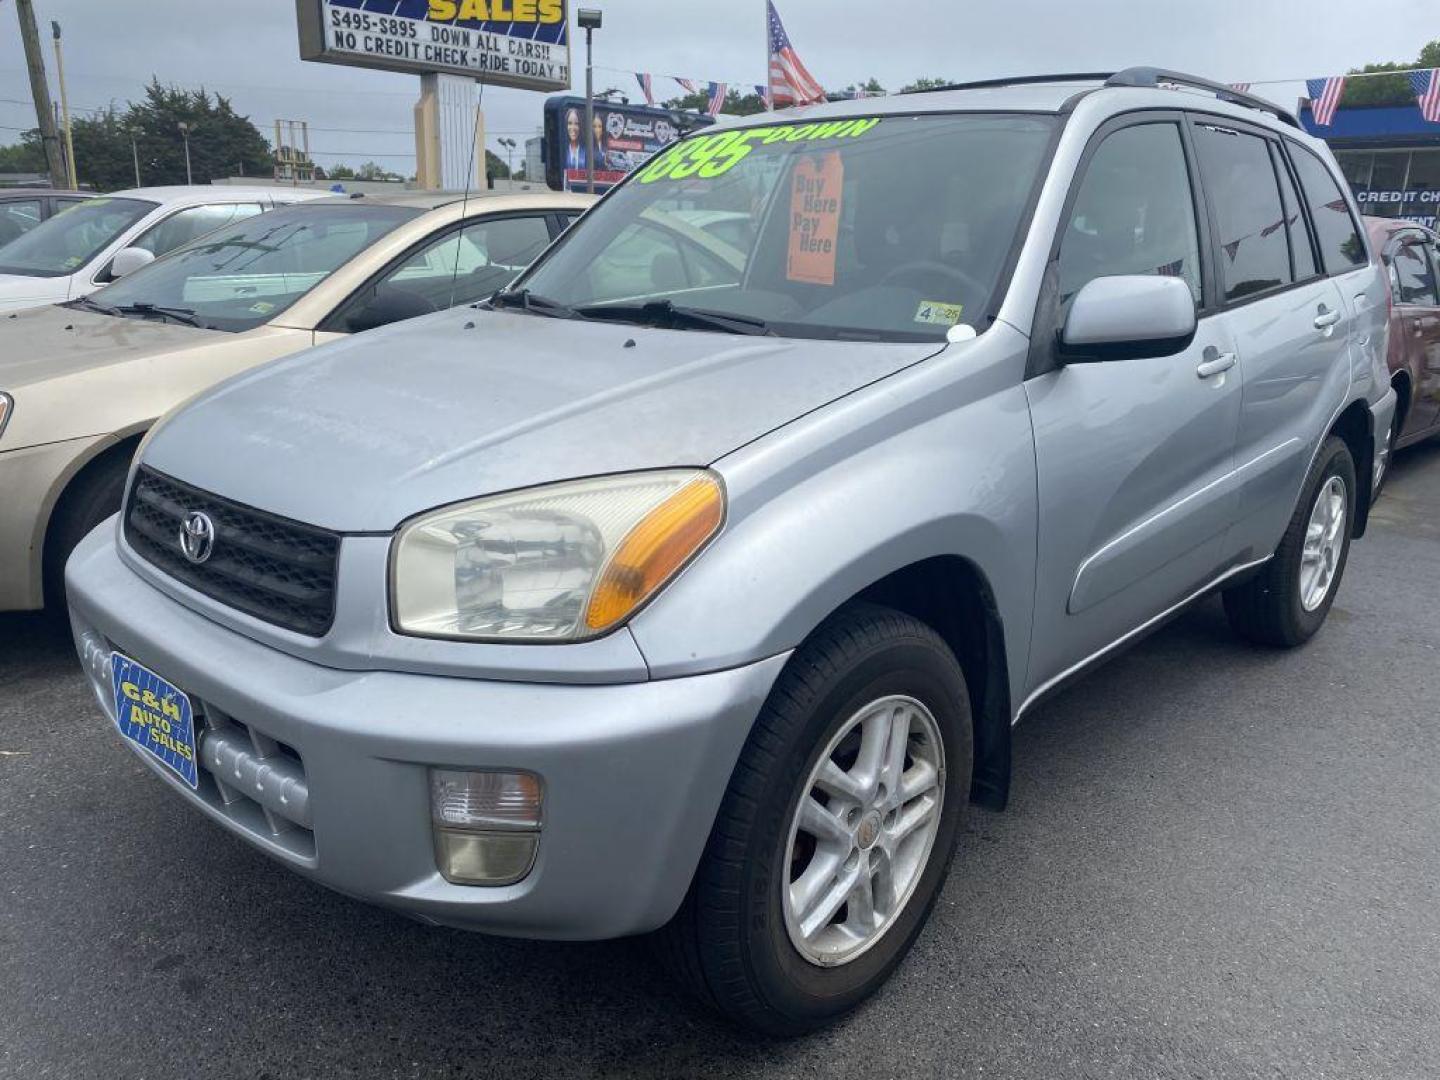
column 262, row 307
column 939, row 313
column 155, row 716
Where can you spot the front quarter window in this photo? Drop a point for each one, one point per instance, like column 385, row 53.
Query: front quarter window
column 891, row 228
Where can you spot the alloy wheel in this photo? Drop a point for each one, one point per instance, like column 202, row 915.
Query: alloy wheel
column 863, row 829
column 1324, row 544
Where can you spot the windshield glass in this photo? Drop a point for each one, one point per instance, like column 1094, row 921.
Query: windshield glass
column 893, row 228
column 72, row 238
column 239, row 277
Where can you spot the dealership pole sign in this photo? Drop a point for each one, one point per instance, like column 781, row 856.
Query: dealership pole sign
column 520, row 43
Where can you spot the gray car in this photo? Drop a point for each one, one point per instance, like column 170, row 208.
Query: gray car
column 696, row 589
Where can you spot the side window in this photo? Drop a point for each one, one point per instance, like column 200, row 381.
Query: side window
column 1414, row 276
column 1302, row 254
column 1240, row 178
column 18, row 216
column 458, row 268
column 1340, row 242
column 1134, row 214
column 189, row 224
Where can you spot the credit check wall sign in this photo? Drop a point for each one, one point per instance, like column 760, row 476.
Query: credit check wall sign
column 519, row 43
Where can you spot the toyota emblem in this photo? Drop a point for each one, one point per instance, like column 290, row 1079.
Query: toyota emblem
column 197, row 537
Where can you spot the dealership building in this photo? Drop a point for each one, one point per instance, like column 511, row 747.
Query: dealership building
column 1391, row 156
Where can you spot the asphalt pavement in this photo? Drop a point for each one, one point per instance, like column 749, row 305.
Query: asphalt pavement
column 1218, row 862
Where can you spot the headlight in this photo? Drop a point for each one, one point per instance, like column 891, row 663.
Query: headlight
column 7, row 406
column 555, row 563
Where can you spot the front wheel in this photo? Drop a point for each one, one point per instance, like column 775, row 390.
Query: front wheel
column 1287, row 602
column 837, row 829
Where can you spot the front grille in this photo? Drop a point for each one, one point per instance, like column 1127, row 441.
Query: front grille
column 270, row 567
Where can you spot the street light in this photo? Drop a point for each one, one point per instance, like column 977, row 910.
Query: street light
column 589, row 22
column 509, row 145
column 185, row 130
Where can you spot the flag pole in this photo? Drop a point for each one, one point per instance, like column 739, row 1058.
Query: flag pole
column 769, row 98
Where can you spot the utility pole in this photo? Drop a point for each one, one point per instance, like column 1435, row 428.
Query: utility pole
column 40, row 91
column 135, row 153
column 64, row 106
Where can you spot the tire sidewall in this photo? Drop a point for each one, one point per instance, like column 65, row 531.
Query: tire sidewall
column 792, row 985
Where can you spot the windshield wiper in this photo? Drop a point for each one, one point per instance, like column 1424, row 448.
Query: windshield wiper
column 667, row 315
column 526, row 300
column 93, row 305
column 182, row 315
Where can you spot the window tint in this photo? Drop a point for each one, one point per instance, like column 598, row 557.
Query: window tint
column 1414, row 276
column 1301, row 253
column 466, row 265
column 1254, row 252
column 1340, row 242
column 1134, row 214
column 189, row 224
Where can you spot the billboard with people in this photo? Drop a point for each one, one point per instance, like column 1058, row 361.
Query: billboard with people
column 624, row 137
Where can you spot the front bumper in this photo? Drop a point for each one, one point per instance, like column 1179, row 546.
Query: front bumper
column 633, row 774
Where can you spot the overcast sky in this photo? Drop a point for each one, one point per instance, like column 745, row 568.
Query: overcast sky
column 248, row 50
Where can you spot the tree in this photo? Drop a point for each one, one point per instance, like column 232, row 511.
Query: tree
column 870, row 86
column 1388, row 90
column 222, row 143
column 495, row 167
column 736, row 103
column 925, row 84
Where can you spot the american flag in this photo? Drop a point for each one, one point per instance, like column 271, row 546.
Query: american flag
column 643, row 78
column 763, row 93
column 1325, row 98
column 1173, row 269
column 790, row 82
column 718, row 91
column 688, row 85
column 1426, row 85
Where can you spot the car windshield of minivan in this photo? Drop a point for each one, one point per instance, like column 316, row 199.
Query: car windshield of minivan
column 890, row 228
column 70, row 239
column 235, row 279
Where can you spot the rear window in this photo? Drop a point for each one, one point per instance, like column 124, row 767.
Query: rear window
column 1340, row 243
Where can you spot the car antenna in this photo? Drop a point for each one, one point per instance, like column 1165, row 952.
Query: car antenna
column 469, row 179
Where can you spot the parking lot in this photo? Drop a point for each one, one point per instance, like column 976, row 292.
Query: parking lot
column 1218, row 862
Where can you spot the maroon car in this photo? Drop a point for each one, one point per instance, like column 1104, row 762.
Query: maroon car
column 1411, row 254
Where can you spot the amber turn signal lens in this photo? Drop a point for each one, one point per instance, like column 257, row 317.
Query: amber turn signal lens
column 655, row 549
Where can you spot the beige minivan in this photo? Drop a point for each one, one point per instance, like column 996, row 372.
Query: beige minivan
column 80, row 383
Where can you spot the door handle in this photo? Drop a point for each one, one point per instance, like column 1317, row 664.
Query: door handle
column 1326, row 319
column 1215, row 363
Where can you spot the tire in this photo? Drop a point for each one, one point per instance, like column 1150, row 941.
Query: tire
column 90, row 499
column 730, row 943
column 1274, row 607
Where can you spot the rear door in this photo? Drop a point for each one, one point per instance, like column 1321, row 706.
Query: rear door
column 1422, row 345
column 1131, row 454
column 1289, row 321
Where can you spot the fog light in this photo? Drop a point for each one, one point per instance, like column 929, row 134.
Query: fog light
column 487, row 825
column 469, row 858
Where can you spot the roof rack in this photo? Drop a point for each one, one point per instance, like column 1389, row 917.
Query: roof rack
column 1019, row 80
column 1154, row 77
column 1148, row 77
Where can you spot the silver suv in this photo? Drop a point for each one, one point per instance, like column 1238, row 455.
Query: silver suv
column 694, row 583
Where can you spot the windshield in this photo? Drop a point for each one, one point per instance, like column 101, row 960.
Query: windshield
column 893, row 228
column 238, row 278
column 72, row 238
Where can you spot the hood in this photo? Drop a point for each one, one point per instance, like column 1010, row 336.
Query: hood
column 53, row 342
column 362, row 433
column 18, row 291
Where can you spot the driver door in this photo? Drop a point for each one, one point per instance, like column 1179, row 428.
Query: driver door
column 1132, row 454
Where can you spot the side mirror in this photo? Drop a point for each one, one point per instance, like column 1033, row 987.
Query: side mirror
column 129, row 260
column 388, row 304
column 1120, row 318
